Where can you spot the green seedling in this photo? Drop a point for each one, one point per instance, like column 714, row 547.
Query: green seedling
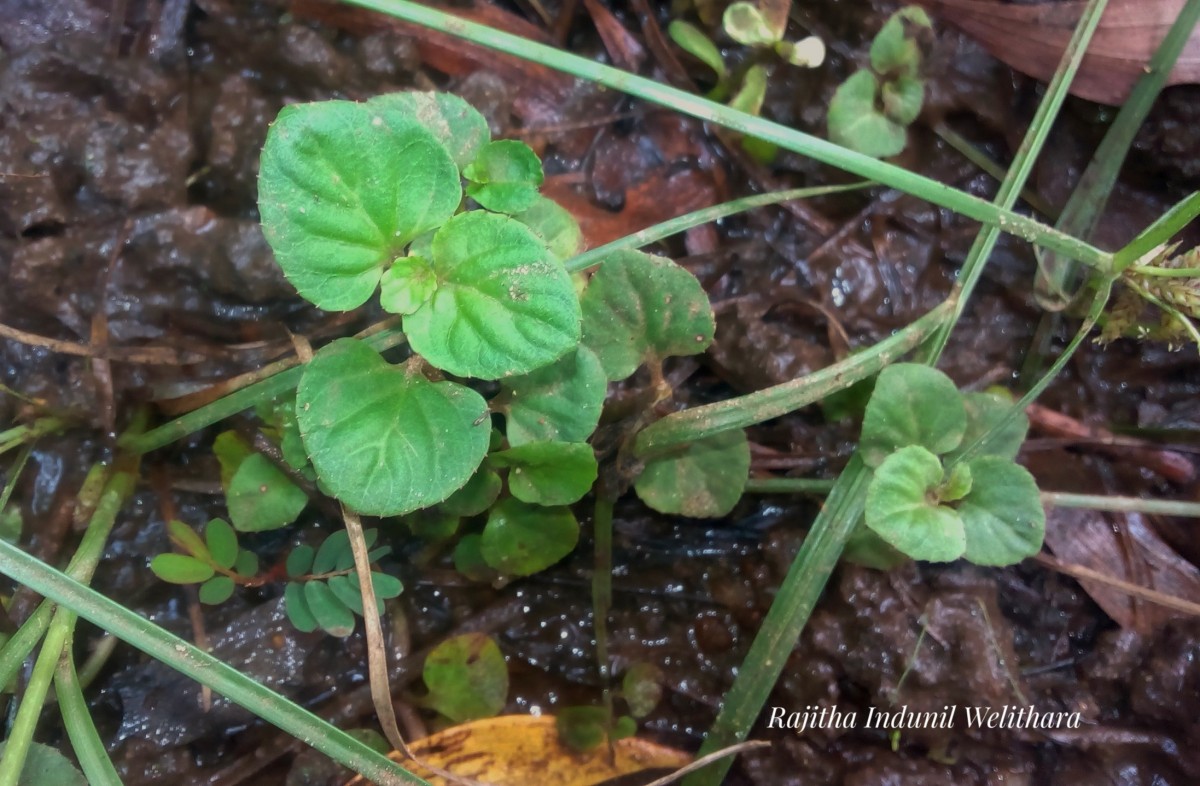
column 872, row 109
column 467, row 678
column 585, row 728
column 945, row 484
column 323, row 590
column 761, row 27
column 483, row 294
column 215, row 562
column 258, row 495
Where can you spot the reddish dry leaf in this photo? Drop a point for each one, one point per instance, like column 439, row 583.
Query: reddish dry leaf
column 1127, row 548
column 622, row 47
column 1032, row 38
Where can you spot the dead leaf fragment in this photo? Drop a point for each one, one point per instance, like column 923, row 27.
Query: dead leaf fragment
column 519, row 750
column 1032, row 38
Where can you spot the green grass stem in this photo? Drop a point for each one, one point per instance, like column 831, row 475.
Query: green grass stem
column 685, row 222
column 202, row 667
column 698, row 422
column 782, row 136
column 1056, row 281
column 81, row 730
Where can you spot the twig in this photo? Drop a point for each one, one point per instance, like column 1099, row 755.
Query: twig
column 1145, row 593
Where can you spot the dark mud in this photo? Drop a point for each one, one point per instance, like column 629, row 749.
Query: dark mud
column 128, row 150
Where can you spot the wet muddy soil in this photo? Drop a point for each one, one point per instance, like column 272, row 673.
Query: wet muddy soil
column 128, row 153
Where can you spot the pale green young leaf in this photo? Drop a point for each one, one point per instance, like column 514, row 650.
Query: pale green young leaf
column 912, row 404
column 181, row 569
column 855, row 121
column 187, row 539
column 988, row 414
column 455, row 123
column 901, row 509
column 896, row 49
column 902, row 99
column 1002, row 515
column 261, row 497
column 746, row 25
column 406, row 285
column 505, row 176
column 693, row 40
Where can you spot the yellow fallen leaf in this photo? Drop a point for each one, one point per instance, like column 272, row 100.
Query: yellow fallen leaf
column 518, row 750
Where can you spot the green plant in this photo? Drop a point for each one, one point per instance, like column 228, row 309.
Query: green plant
column 872, row 109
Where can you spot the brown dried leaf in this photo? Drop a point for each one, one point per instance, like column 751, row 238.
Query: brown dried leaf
column 1031, row 39
column 1123, row 547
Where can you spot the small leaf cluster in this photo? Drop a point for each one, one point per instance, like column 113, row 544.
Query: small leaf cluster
column 761, row 29
column 945, row 484
column 408, row 195
column 215, row 562
column 585, row 728
column 258, row 495
column 323, row 590
column 872, row 109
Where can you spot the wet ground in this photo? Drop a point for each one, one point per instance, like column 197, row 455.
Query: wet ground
column 128, row 149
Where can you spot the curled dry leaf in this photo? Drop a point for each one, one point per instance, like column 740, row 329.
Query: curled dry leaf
column 518, row 750
column 1130, row 551
column 1031, row 39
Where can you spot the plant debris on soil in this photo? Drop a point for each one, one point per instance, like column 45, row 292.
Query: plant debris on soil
column 128, row 230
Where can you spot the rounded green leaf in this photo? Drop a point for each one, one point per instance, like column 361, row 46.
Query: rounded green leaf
column 333, row 616
column 45, row 765
column 406, row 285
column 222, row 543
column 583, row 728
column 555, row 225
column 988, row 415
column 855, row 121
column 896, row 50
column 475, row 497
column 246, row 563
column 435, row 524
column 216, row 590
column 260, row 497
column 455, row 123
column 521, row 539
column 548, row 473
column 638, row 307
column 300, row 561
column 900, row 510
column 1003, row 514
column 503, row 305
column 384, row 441
column 187, row 539
column 181, row 569
column 912, row 404
column 505, row 176
column 468, row 559
column 807, row 52
column 342, row 190
column 560, row 402
column 703, row 480
column 295, row 605
column 467, row 678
